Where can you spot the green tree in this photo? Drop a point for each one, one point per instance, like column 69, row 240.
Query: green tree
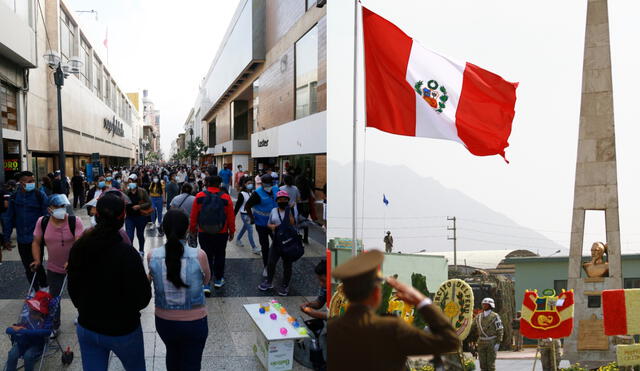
column 194, row 149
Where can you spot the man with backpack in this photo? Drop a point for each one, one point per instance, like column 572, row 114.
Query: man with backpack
column 26, row 205
column 213, row 218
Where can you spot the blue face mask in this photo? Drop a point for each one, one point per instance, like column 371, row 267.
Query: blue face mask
column 101, row 184
column 132, row 186
column 109, row 179
column 249, row 186
column 30, row 187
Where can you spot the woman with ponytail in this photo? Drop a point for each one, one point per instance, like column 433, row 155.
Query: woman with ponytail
column 109, row 286
column 178, row 273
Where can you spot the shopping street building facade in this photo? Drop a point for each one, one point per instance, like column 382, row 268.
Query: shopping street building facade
column 262, row 103
column 98, row 117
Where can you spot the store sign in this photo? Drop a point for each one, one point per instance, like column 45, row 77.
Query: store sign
column 263, row 143
column 114, row 126
column 11, row 165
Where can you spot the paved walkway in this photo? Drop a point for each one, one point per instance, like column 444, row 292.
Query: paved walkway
column 229, row 345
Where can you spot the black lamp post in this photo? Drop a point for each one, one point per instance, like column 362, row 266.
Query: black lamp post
column 62, row 71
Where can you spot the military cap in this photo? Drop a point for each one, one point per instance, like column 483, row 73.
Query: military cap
column 363, row 265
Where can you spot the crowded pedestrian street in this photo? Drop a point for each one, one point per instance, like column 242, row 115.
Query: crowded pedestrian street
column 229, row 345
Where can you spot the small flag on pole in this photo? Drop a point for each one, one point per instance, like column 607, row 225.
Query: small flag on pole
column 384, row 200
column 106, row 39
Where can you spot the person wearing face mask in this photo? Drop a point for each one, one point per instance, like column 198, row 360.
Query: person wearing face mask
column 57, row 232
column 109, row 287
column 243, row 196
column 237, row 180
column 276, row 218
column 258, row 209
column 25, row 207
column 156, row 192
column 135, row 221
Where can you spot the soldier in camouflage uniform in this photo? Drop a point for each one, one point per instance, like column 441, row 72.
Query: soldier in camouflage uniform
column 547, row 358
column 488, row 326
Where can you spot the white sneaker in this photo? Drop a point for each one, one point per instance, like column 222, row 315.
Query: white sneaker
column 256, row 251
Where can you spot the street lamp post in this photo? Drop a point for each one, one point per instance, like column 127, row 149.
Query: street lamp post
column 62, row 71
column 191, row 134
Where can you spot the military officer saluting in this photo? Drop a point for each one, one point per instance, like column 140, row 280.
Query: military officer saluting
column 362, row 340
column 488, row 326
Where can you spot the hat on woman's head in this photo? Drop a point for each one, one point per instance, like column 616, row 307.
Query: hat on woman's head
column 58, row 200
column 133, row 177
column 282, row 194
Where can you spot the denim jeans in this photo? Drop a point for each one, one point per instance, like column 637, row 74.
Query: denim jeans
column 157, row 204
column 55, row 289
column 31, row 357
column 95, row 348
column 184, row 341
column 247, row 227
column 24, row 249
column 136, row 223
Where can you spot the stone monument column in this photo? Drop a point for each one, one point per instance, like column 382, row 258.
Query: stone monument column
column 596, row 188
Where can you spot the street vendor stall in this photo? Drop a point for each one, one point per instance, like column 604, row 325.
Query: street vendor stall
column 276, row 332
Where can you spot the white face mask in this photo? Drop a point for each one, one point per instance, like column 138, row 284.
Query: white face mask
column 93, row 221
column 59, row 213
column 155, row 180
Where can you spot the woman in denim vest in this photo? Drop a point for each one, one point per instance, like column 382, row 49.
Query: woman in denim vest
column 178, row 273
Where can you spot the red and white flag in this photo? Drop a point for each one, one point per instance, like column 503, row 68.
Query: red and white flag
column 416, row 92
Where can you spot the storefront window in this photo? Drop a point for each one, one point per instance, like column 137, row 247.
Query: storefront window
column 212, row 133
column 97, row 77
column 240, row 110
column 8, row 106
column 306, row 55
column 256, row 105
column 67, row 36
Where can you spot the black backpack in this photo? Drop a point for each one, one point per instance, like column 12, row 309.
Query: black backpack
column 212, row 216
column 45, row 221
column 288, row 239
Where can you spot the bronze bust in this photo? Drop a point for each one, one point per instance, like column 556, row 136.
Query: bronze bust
column 597, row 267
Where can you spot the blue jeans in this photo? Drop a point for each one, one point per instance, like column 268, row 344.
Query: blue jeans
column 184, row 341
column 136, row 223
column 95, row 348
column 247, row 227
column 157, row 204
column 31, row 357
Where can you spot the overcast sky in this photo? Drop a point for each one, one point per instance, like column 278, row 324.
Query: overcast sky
column 161, row 45
column 539, row 44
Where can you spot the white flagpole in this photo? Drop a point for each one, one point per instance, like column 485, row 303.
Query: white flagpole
column 354, row 249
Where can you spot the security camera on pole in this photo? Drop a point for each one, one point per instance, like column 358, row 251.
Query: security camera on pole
column 61, row 72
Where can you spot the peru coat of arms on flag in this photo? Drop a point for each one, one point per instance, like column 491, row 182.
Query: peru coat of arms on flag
column 547, row 316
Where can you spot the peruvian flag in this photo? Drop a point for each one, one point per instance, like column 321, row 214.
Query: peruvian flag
column 416, row 92
column 621, row 312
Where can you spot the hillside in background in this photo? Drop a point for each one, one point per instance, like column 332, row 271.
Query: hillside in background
column 417, row 216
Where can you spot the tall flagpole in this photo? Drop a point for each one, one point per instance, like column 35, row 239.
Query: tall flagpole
column 354, row 248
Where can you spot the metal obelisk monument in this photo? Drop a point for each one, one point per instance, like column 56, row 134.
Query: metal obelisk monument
column 596, row 188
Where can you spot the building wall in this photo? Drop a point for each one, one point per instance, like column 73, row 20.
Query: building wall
column 435, row 268
column 83, row 112
column 277, row 89
column 281, row 16
column 540, row 273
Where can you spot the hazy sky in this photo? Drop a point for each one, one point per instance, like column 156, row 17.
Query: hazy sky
column 539, row 44
column 161, row 45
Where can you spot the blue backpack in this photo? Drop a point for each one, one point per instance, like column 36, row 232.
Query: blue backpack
column 288, row 239
column 212, row 216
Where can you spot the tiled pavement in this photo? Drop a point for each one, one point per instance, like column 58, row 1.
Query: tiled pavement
column 229, row 343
